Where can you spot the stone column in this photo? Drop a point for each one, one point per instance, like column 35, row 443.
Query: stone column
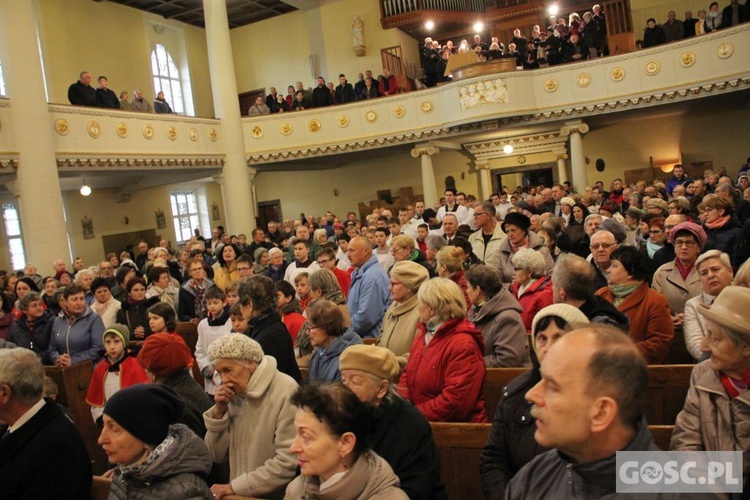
column 562, row 171
column 429, row 187
column 37, row 187
column 485, row 180
column 237, row 191
column 574, row 129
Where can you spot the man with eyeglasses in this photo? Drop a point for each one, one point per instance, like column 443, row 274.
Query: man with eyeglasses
column 107, row 272
column 327, row 260
column 244, row 266
column 679, row 280
column 603, row 243
column 486, row 241
column 666, row 253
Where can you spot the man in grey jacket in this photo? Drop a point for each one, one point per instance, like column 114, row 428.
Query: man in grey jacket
column 588, row 406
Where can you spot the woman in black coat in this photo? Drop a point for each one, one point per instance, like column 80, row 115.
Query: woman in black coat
column 723, row 231
column 511, row 443
column 134, row 311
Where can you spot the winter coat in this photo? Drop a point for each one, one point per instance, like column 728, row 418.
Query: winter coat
column 223, row 277
column 554, row 475
column 82, row 340
column 445, row 378
column 511, row 443
column 598, row 310
column 489, row 253
column 37, row 338
column 135, row 315
column 403, row 437
column 400, row 328
column 176, row 473
column 196, row 400
column 725, row 238
column 710, row 419
column 45, row 458
column 534, row 298
column 669, row 282
column 651, row 326
column 506, row 253
column 255, row 434
column 370, row 477
column 274, row 338
column 369, row 298
column 276, row 274
column 324, row 364
column 499, row 319
column 694, row 324
column 186, row 307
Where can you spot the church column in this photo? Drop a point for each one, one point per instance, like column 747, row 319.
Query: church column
column 485, row 180
column 429, row 187
column 562, row 170
column 236, row 189
column 37, row 186
column 574, row 129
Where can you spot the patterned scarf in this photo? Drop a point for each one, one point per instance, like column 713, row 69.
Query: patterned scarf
column 164, row 296
column 149, row 459
column 621, row 292
column 199, row 292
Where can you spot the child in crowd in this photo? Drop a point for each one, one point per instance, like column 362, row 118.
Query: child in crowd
column 289, row 308
column 232, row 294
column 423, row 231
column 117, row 371
column 239, row 323
column 302, row 285
column 213, row 326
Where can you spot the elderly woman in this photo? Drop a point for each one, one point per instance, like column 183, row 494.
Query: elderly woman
column 276, row 265
column 77, row 333
column 258, row 301
column 252, row 422
column 723, row 232
column 450, row 264
column 329, row 336
column 401, row 318
column 716, row 274
column 679, row 205
column 333, row 441
column 104, row 304
column 134, row 311
column 154, row 455
column 516, row 226
column 325, row 285
column 498, row 316
column 678, row 280
column 225, row 269
column 716, row 416
column 402, row 436
column 260, row 260
column 531, row 285
column 657, row 236
column 84, row 277
column 651, row 325
column 444, row 376
column 161, row 286
column 34, row 328
column 403, row 248
column 511, row 443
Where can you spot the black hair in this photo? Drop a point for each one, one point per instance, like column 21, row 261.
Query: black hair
column 166, row 312
column 544, row 323
column 634, row 262
column 215, row 293
column 220, row 256
column 132, row 283
column 98, row 283
column 155, row 273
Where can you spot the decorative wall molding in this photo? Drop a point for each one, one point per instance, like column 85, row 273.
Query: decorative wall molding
column 543, row 142
column 76, row 110
column 133, row 162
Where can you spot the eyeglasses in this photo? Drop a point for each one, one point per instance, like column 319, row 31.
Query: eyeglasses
column 684, row 243
column 312, row 327
column 605, row 246
column 656, row 231
column 324, row 261
column 242, row 269
column 479, row 214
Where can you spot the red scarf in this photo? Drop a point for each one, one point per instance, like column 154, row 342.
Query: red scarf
column 684, row 271
column 733, row 386
column 718, row 223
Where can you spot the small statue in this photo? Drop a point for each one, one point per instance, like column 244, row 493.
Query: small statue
column 358, row 37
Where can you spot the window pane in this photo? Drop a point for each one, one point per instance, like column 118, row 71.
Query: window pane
column 173, row 200
column 154, row 64
column 17, row 257
column 177, row 230
column 2, row 81
column 192, row 204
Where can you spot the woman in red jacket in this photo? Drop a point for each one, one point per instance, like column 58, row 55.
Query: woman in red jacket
column 444, row 376
column 531, row 285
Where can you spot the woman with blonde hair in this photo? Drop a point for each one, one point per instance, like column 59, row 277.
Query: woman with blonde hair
column 444, row 376
column 450, row 264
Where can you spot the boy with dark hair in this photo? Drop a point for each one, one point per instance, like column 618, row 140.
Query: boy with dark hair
column 214, row 325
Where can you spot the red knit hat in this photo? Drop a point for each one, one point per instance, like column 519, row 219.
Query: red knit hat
column 164, row 354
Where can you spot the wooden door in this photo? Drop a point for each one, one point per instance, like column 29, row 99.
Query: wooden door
column 247, row 99
column 268, row 211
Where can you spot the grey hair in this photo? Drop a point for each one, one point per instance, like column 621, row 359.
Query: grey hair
column 713, row 254
column 22, row 370
column 32, row 296
column 592, row 216
column 84, row 272
column 531, row 260
column 325, row 281
column 435, row 242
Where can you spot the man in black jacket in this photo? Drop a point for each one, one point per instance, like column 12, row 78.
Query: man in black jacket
column 321, row 95
column 105, row 97
column 345, row 91
column 81, row 93
column 42, row 455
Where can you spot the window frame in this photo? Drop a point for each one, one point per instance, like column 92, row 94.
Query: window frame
column 14, row 237
column 170, row 82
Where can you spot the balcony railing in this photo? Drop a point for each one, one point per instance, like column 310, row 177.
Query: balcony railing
column 397, row 7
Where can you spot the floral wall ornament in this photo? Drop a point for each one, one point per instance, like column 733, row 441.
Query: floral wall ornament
column 583, row 80
column 193, row 134
column 371, row 116
column 617, row 74
column 687, row 59
column 62, row 126
column 725, row 50
column 122, row 130
column 314, row 125
column 257, row 132
column 94, row 129
column 148, row 132
column 212, row 134
column 426, row 106
column 171, row 133
column 399, row 111
column 286, row 129
column 652, row 67
column 550, row 85
column 343, row 121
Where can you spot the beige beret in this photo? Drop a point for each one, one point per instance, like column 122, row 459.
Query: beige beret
column 410, row 274
column 371, row 359
column 657, row 203
column 567, row 200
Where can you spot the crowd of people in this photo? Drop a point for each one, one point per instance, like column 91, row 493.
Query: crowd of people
column 81, row 93
column 674, row 29
column 599, row 283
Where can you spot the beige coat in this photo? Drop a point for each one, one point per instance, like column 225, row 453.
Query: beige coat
column 505, row 265
column 491, row 254
column 370, row 477
column 255, row 434
column 710, row 421
column 669, row 282
column 400, row 328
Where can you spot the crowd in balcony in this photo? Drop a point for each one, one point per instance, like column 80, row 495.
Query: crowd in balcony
column 674, row 29
column 81, row 93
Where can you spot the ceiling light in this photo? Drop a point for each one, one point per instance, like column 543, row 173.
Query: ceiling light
column 429, row 25
column 478, row 27
column 85, row 189
column 553, row 10
column 508, row 149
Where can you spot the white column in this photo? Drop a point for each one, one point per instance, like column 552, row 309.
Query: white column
column 485, row 180
column 239, row 207
column 429, row 188
column 562, row 170
column 38, row 188
column 577, row 158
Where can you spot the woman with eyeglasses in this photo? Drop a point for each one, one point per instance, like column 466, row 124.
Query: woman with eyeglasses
column 723, row 231
column 651, row 326
column 656, row 237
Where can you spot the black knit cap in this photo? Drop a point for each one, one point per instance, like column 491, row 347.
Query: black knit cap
column 146, row 411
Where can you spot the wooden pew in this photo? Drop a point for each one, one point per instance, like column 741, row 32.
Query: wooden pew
column 304, row 372
column 460, row 447
column 494, row 382
column 100, row 488
column 73, row 384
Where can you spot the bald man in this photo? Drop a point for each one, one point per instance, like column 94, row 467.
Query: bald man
column 369, row 297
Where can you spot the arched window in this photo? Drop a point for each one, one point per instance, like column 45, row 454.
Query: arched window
column 167, row 78
column 2, row 81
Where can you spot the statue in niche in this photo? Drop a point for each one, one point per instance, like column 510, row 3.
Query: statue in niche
column 88, row 228
column 161, row 219
column 358, row 37
column 215, row 211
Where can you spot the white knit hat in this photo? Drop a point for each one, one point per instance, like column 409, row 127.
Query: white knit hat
column 571, row 315
column 235, row 346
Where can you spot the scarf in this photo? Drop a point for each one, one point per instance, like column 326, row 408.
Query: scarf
column 148, row 459
column 199, row 291
column 718, row 223
column 336, row 296
column 651, row 248
column 733, row 386
column 164, row 296
column 524, row 244
column 100, row 308
column 621, row 292
column 684, row 271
